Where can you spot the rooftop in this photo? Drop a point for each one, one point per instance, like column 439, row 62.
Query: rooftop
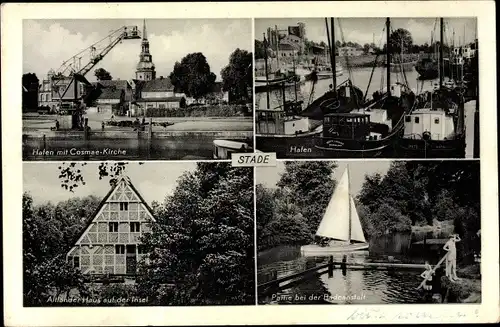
column 158, row 85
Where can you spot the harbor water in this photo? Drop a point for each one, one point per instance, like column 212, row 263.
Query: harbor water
column 366, row 286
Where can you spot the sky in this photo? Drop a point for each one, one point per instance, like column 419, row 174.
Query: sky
column 154, row 180
column 269, row 176
column 361, row 30
column 48, row 43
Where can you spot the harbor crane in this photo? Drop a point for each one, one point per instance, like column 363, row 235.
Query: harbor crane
column 71, row 71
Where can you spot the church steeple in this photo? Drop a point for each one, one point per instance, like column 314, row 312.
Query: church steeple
column 145, row 68
column 144, row 34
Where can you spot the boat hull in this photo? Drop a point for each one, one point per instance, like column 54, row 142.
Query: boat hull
column 411, row 148
column 314, row 250
column 290, row 146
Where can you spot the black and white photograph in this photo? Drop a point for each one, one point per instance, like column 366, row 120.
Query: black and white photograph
column 137, row 234
column 416, row 98
column 249, row 163
column 368, row 232
column 120, row 89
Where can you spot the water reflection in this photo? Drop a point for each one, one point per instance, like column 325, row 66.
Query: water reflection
column 354, row 286
column 360, row 78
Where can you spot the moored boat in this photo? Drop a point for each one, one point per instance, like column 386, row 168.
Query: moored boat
column 371, row 129
column 436, row 127
column 223, row 149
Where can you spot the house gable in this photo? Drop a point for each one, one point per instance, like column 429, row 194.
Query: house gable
column 120, row 220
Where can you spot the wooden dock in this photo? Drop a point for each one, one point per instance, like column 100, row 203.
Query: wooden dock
column 297, row 278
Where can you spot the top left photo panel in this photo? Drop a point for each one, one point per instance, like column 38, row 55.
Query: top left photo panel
column 136, row 89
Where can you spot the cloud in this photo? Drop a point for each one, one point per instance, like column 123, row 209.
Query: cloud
column 48, row 47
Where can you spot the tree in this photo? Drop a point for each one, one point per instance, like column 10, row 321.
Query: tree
column 259, row 49
column 400, row 37
column 30, row 95
column 102, row 75
column 310, row 185
column 237, row 77
column 203, row 240
column 192, row 76
column 366, row 48
column 265, row 207
column 48, row 233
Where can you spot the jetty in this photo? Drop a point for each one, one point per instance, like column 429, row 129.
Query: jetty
column 276, row 284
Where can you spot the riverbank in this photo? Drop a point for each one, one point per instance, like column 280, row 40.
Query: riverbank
column 468, row 288
column 444, row 225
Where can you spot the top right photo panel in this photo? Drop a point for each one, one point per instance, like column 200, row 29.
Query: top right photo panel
column 367, row 87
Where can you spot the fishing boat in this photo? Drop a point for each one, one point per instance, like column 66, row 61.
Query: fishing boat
column 436, row 127
column 293, row 131
column 340, row 224
column 372, row 128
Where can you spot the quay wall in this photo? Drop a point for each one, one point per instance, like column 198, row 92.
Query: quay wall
column 171, row 145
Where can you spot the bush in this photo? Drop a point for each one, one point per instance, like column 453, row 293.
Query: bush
column 196, row 110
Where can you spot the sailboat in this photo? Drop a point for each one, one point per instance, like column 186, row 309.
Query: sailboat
column 340, row 224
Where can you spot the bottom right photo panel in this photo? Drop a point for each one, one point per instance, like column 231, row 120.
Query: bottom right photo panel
column 368, row 232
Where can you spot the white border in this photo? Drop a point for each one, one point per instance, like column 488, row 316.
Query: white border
column 15, row 314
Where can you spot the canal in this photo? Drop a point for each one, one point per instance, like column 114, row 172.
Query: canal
column 366, row 286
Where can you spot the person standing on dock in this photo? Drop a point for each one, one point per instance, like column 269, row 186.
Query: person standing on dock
column 451, row 257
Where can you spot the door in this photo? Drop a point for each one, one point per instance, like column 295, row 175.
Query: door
column 131, row 262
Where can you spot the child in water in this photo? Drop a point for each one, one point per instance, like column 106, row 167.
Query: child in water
column 427, row 275
column 451, row 257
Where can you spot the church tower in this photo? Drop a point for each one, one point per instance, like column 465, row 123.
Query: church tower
column 145, row 68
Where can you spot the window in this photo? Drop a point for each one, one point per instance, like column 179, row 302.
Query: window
column 113, row 227
column 407, row 119
column 76, row 262
column 417, row 120
column 123, row 206
column 135, row 227
column 436, row 121
column 120, row 249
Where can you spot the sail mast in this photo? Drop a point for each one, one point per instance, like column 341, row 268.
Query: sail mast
column 277, row 47
column 349, row 199
column 441, row 53
column 266, row 69
column 334, row 64
column 388, row 55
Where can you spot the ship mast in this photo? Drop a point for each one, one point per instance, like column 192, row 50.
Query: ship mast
column 277, row 47
column 265, row 65
column 334, row 64
column 332, row 53
column 441, row 53
column 388, row 55
column 349, row 200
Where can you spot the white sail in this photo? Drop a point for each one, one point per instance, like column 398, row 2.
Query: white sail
column 335, row 222
column 356, row 229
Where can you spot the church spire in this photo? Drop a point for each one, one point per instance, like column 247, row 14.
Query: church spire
column 144, row 34
column 145, row 67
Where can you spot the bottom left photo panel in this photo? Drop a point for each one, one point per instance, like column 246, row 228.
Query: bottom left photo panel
column 138, row 234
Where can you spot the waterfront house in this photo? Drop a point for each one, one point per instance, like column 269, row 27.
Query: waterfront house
column 350, row 51
column 115, row 98
column 110, row 242
column 157, row 94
